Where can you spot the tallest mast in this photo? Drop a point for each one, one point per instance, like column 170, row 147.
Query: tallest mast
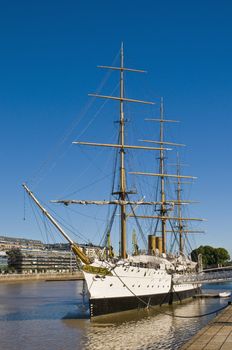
column 163, row 206
column 122, row 159
column 122, row 190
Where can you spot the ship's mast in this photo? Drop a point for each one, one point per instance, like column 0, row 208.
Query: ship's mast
column 163, row 215
column 122, row 160
column 122, row 192
column 182, row 226
column 163, row 206
column 179, row 207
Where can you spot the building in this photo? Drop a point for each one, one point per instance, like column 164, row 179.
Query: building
column 41, row 261
column 32, row 256
column 7, row 243
column 92, row 251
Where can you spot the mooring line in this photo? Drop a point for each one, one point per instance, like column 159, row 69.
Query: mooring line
column 166, row 313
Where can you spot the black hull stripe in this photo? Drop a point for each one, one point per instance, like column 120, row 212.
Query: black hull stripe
column 99, row 307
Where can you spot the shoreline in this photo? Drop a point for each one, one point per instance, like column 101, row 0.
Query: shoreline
column 69, row 276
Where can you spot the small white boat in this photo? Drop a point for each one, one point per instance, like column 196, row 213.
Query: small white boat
column 224, row 294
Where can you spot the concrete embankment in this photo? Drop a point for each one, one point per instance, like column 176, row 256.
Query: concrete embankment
column 216, row 335
column 42, row 277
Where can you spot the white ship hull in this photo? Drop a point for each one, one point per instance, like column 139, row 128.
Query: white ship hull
column 131, row 287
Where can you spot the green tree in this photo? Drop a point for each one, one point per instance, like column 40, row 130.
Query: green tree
column 222, row 255
column 15, row 259
column 211, row 256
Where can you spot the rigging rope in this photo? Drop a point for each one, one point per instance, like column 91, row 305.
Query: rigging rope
column 109, row 227
column 45, row 228
column 138, row 224
column 62, row 222
column 115, row 167
column 24, row 205
column 197, row 316
column 68, row 132
column 175, row 236
column 37, row 221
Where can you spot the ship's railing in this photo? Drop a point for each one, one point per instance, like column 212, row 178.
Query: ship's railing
column 208, row 276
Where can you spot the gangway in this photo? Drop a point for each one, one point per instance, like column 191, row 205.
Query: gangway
column 215, row 275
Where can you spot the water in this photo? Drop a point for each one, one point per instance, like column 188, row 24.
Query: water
column 50, row 316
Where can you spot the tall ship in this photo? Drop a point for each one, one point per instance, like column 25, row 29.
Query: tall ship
column 142, row 278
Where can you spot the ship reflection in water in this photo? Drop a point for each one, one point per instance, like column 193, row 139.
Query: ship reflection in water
column 143, row 329
column 50, row 315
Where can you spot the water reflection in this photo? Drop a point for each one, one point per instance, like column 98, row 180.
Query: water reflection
column 37, row 316
column 154, row 329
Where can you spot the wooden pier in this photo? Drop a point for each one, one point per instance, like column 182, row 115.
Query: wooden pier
column 216, row 335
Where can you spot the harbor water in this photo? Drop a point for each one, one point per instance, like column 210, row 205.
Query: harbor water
column 53, row 316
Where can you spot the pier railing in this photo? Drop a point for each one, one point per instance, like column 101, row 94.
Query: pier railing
column 207, row 276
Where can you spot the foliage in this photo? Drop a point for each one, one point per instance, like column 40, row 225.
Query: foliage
column 14, row 258
column 211, row 256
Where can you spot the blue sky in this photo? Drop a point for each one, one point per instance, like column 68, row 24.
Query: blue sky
column 49, row 52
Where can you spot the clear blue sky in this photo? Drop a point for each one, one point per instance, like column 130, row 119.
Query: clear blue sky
column 49, row 52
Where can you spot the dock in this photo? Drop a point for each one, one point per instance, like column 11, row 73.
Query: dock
column 211, row 295
column 216, row 335
column 75, row 276
column 206, row 295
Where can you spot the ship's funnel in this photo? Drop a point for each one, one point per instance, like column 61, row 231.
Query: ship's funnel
column 159, row 244
column 151, row 244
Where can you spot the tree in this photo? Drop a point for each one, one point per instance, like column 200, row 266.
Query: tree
column 15, row 259
column 211, row 256
column 222, row 255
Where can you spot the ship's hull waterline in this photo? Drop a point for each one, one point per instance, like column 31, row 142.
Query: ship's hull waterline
column 105, row 306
